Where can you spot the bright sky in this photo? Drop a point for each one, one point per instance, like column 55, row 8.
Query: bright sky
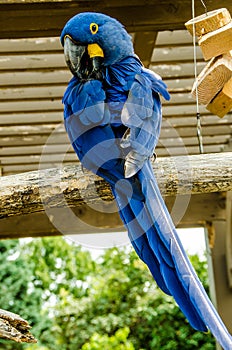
column 193, row 240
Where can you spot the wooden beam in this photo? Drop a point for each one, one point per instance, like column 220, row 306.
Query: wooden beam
column 31, row 18
column 186, row 211
column 70, row 186
column 228, row 239
column 223, row 292
column 144, row 44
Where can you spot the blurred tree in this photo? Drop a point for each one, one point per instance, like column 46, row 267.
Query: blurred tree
column 34, row 276
column 74, row 302
column 118, row 341
column 121, row 294
column 17, row 290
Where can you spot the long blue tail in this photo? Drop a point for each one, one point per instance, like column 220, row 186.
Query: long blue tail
column 141, row 206
column 154, row 237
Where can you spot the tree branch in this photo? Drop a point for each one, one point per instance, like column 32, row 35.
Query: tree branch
column 13, row 327
column 33, row 191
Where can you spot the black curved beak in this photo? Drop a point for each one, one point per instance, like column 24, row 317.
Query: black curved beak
column 84, row 61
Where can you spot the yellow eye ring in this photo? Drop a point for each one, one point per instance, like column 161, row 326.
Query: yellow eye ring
column 93, row 28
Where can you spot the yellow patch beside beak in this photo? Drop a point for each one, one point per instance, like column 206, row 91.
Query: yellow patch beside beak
column 94, row 50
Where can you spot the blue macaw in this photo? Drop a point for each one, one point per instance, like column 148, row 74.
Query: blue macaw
column 112, row 114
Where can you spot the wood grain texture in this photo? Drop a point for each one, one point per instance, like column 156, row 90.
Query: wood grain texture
column 222, row 103
column 208, row 22
column 45, row 18
column 216, row 43
column 70, row 186
column 13, row 327
column 186, row 210
column 212, row 78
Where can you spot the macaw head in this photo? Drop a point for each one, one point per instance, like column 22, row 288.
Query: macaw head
column 91, row 40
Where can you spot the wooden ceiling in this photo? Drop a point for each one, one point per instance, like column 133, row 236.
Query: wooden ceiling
column 33, row 77
column 38, row 18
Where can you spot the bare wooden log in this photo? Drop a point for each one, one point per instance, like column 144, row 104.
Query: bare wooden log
column 69, row 186
column 13, row 327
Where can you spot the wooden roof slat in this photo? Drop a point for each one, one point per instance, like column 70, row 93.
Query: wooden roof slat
column 36, row 159
column 32, row 92
column 191, row 131
column 31, row 105
column 182, row 123
column 22, row 168
column 174, row 140
column 180, row 98
column 14, row 119
column 178, row 151
column 35, row 77
column 33, row 150
column 206, row 120
column 175, row 54
column 15, row 169
column 181, row 109
column 177, row 87
column 33, row 140
column 178, row 70
column 31, row 129
column 57, row 91
column 38, row 140
column 193, row 141
column 14, row 62
column 179, row 84
column 30, row 45
column 172, row 38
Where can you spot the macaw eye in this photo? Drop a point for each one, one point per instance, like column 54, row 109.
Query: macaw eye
column 93, row 28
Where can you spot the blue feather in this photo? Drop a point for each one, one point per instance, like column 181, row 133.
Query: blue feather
column 114, row 125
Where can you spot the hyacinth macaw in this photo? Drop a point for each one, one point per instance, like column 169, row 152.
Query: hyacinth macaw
column 112, row 114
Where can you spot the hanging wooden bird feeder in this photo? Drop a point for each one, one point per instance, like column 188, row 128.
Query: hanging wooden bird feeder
column 222, row 103
column 217, row 42
column 213, row 86
column 212, row 78
column 208, row 22
column 214, row 31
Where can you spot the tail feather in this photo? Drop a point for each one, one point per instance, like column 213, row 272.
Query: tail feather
column 139, row 239
column 176, row 269
column 154, row 238
column 182, row 298
column 150, row 245
column 141, row 230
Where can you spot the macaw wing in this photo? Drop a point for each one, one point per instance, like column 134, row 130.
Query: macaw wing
column 142, row 115
column 87, row 101
column 87, row 117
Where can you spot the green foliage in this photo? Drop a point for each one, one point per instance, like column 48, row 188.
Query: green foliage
column 115, row 342
column 17, row 290
column 73, row 302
